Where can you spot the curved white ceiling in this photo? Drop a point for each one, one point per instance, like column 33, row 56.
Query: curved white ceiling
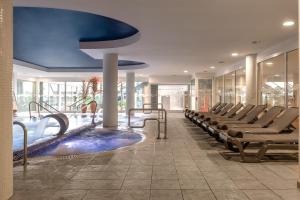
column 191, row 35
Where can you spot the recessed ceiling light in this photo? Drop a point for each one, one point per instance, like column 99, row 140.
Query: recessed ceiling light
column 288, row 23
column 269, row 63
column 212, row 67
column 234, row 54
column 185, row 71
column 276, row 75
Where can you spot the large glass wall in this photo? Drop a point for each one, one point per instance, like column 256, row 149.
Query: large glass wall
column 240, row 86
column 233, row 89
column 172, row 96
column 219, row 89
column 193, row 95
column 229, row 88
column 293, row 78
column 53, row 93
column 272, row 79
column 205, row 94
column 25, row 94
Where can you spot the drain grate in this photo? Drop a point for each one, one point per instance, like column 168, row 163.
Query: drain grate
column 67, row 157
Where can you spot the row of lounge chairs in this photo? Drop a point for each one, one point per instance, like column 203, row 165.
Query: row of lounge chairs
column 239, row 127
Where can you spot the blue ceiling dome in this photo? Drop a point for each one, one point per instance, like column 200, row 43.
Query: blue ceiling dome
column 50, row 38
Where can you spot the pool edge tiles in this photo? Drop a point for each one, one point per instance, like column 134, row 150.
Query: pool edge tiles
column 90, row 141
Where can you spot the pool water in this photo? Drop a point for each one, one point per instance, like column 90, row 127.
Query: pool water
column 91, row 141
column 40, row 131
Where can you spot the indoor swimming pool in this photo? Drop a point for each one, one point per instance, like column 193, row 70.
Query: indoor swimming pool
column 40, row 131
column 89, row 141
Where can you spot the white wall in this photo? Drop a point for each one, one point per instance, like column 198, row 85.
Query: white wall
column 184, row 79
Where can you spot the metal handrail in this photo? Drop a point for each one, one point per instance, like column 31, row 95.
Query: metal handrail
column 150, row 104
column 25, row 148
column 73, row 104
column 49, row 106
column 39, row 106
column 147, row 119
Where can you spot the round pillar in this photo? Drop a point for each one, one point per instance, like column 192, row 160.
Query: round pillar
column 6, row 70
column 130, row 90
column 110, row 90
column 251, row 79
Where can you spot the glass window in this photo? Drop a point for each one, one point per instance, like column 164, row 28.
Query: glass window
column 139, row 94
column 229, row 89
column 121, row 96
column 240, row 88
column 193, row 95
column 272, row 81
column 25, row 94
column 293, row 78
column 219, row 89
column 172, row 96
column 205, row 94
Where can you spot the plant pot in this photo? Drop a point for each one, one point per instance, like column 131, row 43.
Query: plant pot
column 83, row 108
column 93, row 106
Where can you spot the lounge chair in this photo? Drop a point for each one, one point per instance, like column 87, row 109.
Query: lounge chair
column 264, row 142
column 220, row 112
column 230, row 114
column 250, row 117
column 281, row 124
column 264, row 121
column 240, row 115
column 217, row 110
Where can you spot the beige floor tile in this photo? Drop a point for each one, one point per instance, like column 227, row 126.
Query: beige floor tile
column 261, row 195
column 288, row 194
column 198, row 195
column 189, row 184
column 165, row 184
column 102, row 195
column 166, row 195
column 134, row 195
column 230, row 195
column 131, row 184
column 249, row 185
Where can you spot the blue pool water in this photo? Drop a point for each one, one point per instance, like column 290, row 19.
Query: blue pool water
column 40, row 131
column 91, row 141
column 46, row 129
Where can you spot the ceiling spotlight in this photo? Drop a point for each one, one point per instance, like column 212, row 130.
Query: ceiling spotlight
column 185, row 71
column 277, row 75
column 288, row 23
column 234, row 54
column 212, row 67
column 269, row 63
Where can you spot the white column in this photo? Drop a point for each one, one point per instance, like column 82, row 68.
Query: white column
column 251, row 79
column 130, row 90
column 298, row 99
column 197, row 94
column 147, row 94
column 110, row 90
column 6, row 68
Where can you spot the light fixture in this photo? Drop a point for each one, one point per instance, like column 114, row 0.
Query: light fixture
column 185, row 71
column 288, row 23
column 212, row 67
column 234, row 54
column 269, row 63
column 277, row 75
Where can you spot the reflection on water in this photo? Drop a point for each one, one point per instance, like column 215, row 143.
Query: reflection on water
column 95, row 140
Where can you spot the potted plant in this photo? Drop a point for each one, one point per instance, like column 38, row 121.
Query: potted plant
column 84, row 95
column 94, row 85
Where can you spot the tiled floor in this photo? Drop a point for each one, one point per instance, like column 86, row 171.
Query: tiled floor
column 186, row 166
